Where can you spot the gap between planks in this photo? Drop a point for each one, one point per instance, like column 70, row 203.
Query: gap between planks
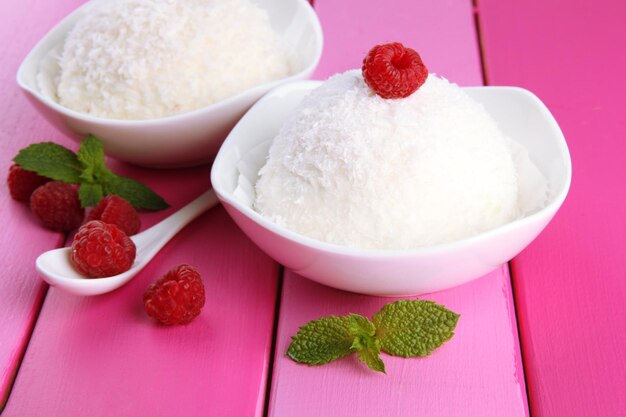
column 485, row 79
column 273, row 349
column 37, row 307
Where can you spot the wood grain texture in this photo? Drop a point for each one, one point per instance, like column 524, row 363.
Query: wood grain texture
column 102, row 356
column 569, row 283
column 22, row 238
column 479, row 372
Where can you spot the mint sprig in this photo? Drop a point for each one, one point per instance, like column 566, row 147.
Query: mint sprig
column 88, row 169
column 365, row 343
column 406, row 328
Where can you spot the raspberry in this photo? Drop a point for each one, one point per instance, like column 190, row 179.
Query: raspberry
column 57, row 206
column 102, row 250
column 393, row 71
column 115, row 210
column 177, row 297
column 22, row 183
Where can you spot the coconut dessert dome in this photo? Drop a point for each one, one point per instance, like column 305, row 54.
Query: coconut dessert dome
column 145, row 59
column 352, row 168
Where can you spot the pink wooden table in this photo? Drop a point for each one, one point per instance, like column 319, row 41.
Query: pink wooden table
column 62, row 355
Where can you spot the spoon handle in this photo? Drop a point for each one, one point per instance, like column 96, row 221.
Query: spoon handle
column 151, row 240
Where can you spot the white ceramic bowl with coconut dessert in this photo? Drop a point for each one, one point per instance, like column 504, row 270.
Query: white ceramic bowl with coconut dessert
column 187, row 138
column 519, row 114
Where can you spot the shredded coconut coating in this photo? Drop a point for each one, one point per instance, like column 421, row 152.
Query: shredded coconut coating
column 143, row 59
column 353, row 169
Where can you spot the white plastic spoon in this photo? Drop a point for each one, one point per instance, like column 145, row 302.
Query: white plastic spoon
column 56, row 269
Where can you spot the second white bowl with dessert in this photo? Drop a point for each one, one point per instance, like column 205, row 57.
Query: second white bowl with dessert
column 393, row 196
column 161, row 83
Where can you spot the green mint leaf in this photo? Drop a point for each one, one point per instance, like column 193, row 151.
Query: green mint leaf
column 137, row 194
column 51, row 160
column 91, row 156
column 90, row 194
column 359, row 325
column 370, row 354
column 323, row 340
column 411, row 328
column 365, row 342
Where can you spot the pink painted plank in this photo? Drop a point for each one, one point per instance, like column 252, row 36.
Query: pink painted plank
column 22, row 239
column 105, row 355
column 474, row 374
column 479, row 372
column 570, row 284
column 351, row 28
column 102, row 355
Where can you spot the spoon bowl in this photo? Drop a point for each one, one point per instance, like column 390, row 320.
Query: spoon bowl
column 56, row 268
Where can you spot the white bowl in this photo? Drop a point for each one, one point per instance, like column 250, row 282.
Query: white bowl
column 519, row 113
column 181, row 140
